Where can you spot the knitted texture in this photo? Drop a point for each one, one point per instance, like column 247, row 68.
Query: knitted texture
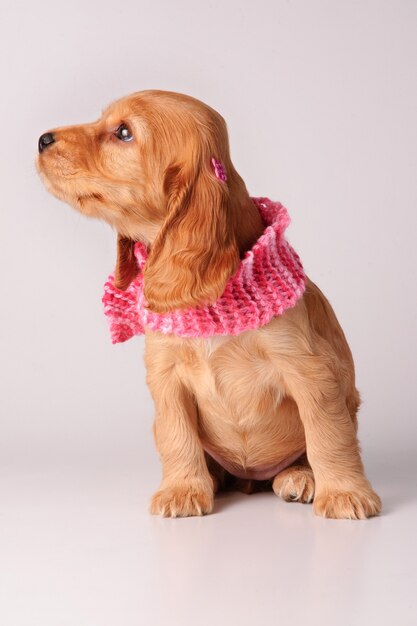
column 269, row 280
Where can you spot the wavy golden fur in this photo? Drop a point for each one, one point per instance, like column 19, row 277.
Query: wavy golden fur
column 227, row 406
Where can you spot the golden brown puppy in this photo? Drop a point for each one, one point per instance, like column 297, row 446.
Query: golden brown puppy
column 244, row 404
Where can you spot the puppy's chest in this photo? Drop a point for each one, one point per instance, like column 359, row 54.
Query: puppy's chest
column 229, row 380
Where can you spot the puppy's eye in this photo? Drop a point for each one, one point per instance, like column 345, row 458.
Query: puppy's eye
column 123, row 133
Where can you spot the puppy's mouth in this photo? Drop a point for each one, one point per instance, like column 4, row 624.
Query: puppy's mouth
column 59, row 166
column 54, row 182
column 64, row 186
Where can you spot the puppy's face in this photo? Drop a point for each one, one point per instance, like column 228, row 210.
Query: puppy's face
column 145, row 167
column 113, row 168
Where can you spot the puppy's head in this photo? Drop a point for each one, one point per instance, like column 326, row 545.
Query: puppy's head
column 146, row 168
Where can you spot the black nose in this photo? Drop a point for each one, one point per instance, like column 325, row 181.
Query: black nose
column 45, row 140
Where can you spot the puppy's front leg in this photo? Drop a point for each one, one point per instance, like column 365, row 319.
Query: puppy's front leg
column 342, row 489
column 187, row 487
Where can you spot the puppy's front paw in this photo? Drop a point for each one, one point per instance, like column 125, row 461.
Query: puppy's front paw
column 347, row 504
column 181, row 501
column 295, row 484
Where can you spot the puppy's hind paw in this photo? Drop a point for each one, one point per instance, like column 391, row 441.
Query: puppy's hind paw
column 295, row 484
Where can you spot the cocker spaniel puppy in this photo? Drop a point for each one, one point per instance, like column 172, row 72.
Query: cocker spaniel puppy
column 249, row 369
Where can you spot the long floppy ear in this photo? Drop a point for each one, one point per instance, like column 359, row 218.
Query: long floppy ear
column 126, row 265
column 195, row 252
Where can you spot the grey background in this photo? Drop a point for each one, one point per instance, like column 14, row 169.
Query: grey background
column 320, row 99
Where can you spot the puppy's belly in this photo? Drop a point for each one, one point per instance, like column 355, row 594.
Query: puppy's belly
column 255, row 446
column 245, row 420
column 253, row 473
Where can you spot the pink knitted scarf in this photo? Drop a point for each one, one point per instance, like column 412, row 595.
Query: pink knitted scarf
column 269, row 280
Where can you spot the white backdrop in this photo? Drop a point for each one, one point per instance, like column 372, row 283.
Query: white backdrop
column 320, row 99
